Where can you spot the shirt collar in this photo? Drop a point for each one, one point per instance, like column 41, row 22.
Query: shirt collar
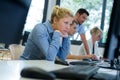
column 48, row 26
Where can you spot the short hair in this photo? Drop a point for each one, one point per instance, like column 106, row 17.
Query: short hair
column 82, row 10
column 96, row 31
column 60, row 12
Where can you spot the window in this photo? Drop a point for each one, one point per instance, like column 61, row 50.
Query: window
column 35, row 14
column 95, row 9
column 105, row 26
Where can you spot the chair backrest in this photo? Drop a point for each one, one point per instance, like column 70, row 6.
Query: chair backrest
column 25, row 37
column 16, row 50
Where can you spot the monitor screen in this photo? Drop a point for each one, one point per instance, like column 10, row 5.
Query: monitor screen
column 12, row 19
column 112, row 49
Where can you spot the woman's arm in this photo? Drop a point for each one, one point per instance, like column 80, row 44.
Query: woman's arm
column 80, row 57
column 64, row 49
column 47, row 43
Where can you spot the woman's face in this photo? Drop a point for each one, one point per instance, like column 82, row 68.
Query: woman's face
column 97, row 37
column 72, row 29
column 63, row 24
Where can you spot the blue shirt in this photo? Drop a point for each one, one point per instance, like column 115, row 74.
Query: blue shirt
column 80, row 29
column 44, row 44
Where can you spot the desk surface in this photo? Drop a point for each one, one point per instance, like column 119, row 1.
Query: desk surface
column 10, row 70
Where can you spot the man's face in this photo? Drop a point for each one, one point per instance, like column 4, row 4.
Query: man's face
column 81, row 18
column 72, row 29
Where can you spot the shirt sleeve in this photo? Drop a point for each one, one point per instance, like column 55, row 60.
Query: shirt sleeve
column 64, row 49
column 47, row 46
column 80, row 29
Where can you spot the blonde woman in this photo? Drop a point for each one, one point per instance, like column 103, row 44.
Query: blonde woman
column 44, row 41
column 96, row 35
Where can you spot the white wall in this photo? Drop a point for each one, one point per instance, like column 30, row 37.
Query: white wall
column 75, row 49
column 51, row 3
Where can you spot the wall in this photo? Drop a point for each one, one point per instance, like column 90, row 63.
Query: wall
column 75, row 49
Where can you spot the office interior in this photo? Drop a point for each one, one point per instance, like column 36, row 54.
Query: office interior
column 15, row 29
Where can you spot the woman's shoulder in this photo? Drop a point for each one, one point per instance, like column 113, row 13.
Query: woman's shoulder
column 40, row 28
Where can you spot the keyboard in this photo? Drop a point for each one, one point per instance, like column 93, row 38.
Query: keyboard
column 84, row 62
column 81, row 72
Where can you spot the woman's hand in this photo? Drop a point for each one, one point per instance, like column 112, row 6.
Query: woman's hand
column 62, row 35
column 92, row 56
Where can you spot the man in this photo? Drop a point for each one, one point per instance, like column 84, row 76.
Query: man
column 80, row 17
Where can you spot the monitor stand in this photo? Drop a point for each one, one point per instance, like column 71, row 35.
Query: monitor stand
column 114, row 64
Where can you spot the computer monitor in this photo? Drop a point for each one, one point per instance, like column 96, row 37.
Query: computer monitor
column 112, row 49
column 13, row 15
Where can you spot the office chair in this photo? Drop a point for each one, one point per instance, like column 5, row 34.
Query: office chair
column 16, row 50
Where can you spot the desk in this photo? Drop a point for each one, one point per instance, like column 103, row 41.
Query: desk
column 10, row 70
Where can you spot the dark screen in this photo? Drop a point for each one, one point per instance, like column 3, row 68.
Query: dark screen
column 112, row 49
column 12, row 19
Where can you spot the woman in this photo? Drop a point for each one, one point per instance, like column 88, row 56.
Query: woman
column 44, row 41
column 71, row 32
column 96, row 35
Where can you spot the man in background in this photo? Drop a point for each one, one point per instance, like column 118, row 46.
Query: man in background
column 80, row 17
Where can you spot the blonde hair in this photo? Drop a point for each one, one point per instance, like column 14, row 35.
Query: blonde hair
column 96, row 31
column 60, row 13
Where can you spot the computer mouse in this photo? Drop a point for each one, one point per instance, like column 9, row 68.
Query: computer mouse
column 62, row 62
column 36, row 73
